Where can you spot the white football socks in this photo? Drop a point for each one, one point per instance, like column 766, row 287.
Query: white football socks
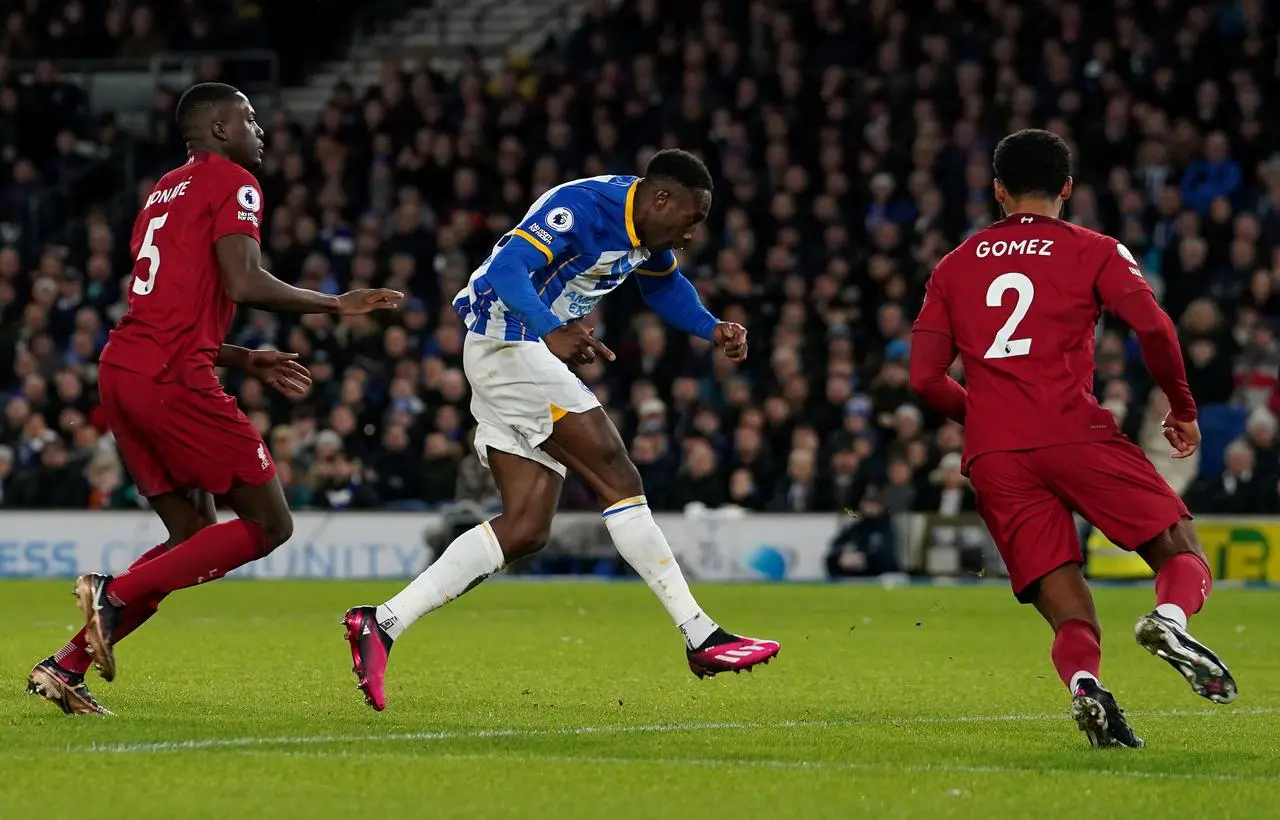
column 642, row 545
column 472, row 557
column 1174, row 613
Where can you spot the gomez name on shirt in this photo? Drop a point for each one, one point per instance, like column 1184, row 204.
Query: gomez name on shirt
column 1019, row 247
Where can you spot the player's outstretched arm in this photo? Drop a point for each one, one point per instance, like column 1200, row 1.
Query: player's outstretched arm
column 233, row 356
column 676, row 302
column 240, row 259
column 931, row 358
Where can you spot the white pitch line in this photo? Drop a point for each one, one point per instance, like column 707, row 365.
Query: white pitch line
column 781, row 764
column 660, row 728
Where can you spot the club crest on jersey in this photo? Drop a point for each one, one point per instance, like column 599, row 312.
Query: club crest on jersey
column 560, row 219
column 248, row 198
column 1127, row 256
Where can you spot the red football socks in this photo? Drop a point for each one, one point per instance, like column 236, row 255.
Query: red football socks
column 75, row 657
column 1077, row 647
column 1185, row 582
column 209, row 554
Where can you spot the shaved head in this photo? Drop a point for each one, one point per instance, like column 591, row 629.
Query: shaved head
column 201, row 104
column 216, row 117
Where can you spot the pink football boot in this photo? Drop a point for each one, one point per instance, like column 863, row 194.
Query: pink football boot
column 370, row 648
column 724, row 652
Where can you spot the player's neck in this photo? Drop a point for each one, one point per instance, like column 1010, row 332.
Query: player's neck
column 1034, row 205
column 196, row 147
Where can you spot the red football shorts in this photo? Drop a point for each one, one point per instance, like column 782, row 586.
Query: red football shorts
column 1026, row 499
column 176, row 437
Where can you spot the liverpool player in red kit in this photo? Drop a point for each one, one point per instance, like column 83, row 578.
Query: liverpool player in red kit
column 1019, row 302
column 182, row 438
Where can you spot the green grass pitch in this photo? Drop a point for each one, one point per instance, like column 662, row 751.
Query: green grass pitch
column 572, row 700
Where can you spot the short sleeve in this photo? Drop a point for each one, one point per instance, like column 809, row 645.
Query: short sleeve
column 559, row 223
column 1119, row 274
column 660, row 264
column 934, row 317
column 237, row 207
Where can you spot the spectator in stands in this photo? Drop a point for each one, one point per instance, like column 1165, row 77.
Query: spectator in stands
column 397, row 473
column 649, row 452
column 700, row 480
column 948, row 491
column 52, row 480
column 900, row 491
column 1237, row 491
column 337, row 484
column 867, row 544
column 801, row 489
column 1212, row 177
column 107, row 490
column 143, row 40
column 1257, row 368
column 1261, row 436
column 743, row 490
column 440, row 458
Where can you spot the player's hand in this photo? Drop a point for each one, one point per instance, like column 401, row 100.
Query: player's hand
column 574, row 344
column 367, row 300
column 280, row 371
column 732, row 337
column 1183, row 435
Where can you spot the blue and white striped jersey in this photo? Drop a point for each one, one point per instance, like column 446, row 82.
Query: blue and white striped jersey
column 586, row 232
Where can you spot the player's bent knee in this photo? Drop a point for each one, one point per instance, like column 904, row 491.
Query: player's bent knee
column 1177, row 539
column 277, row 528
column 524, row 539
column 1184, row 538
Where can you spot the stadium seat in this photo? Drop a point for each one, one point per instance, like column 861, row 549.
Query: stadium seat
column 1220, row 424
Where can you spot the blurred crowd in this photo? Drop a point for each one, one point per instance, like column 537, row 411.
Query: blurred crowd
column 58, row 156
column 850, row 142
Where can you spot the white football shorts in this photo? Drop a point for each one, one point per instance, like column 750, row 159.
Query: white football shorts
column 518, row 392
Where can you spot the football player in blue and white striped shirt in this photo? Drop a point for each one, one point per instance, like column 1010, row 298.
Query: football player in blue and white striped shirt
column 523, row 308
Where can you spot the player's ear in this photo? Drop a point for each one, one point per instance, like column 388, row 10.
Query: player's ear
column 660, row 198
column 1066, row 190
column 1001, row 194
column 219, row 130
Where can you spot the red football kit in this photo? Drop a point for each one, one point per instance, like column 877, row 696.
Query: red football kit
column 1019, row 301
column 174, row 424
